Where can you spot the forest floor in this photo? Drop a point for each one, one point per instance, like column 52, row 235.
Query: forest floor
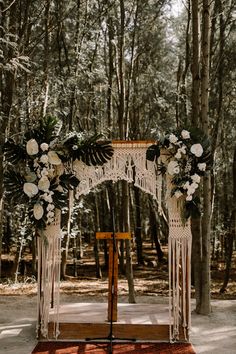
column 215, row 333
column 150, row 279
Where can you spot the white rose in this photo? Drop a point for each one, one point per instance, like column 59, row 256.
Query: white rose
column 44, row 183
column 197, row 150
column 173, row 167
column 54, row 158
column 44, row 172
column 185, row 134
column 201, row 166
column 44, row 158
column 196, row 178
column 32, row 147
column 189, row 197
column 30, row 189
column 178, row 193
column 173, row 139
column 44, row 146
column 38, row 211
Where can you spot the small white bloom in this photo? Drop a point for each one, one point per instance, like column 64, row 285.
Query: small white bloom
column 201, row 166
column 185, row 134
column 50, row 214
column 173, row 138
column 32, row 147
column 178, row 154
column 186, row 185
column 38, row 211
column 197, row 150
column 196, row 178
column 173, row 168
column 30, row 189
column 50, row 207
column 44, row 158
column 178, row 193
column 75, row 147
column 44, row 172
column 54, row 158
column 36, row 163
column 44, row 183
column 44, row 146
column 182, row 149
column 189, row 197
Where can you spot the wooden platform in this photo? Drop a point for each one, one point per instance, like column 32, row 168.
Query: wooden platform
column 79, row 321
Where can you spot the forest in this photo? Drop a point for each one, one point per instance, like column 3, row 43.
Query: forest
column 123, row 70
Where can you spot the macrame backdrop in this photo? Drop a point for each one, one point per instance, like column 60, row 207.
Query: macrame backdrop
column 128, row 163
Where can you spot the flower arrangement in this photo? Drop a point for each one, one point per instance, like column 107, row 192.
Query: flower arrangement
column 39, row 171
column 188, row 157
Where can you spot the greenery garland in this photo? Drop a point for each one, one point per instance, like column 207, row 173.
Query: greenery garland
column 39, row 170
column 188, row 158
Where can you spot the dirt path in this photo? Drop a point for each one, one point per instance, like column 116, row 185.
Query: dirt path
column 214, row 334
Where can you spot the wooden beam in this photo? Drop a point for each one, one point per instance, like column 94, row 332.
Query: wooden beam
column 80, row 331
column 109, row 235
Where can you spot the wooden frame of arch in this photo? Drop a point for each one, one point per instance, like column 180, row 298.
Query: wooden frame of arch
column 128, row 163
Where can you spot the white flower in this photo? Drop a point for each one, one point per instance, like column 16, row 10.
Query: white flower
column 44, row 172
column 185, row 134
column 197, row 150
column 173, row 168
column 178, row 193
column 186, row 185
column 44, row 183
column 44, row 158
column 44, row 146
column 201, row 166
column 30, row 189
column 32, row 147
column 189, row 197
column 173, row 139
column 178, row 154
column 54, row 158
column 38, row 211
column 75, row 147
column 182, row 149
column 196, row 178
column 50, row 207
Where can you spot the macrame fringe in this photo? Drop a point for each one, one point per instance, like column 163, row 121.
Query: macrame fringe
column 49, row 254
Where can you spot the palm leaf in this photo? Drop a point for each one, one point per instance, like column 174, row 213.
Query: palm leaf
column 46, row 131
column 68, row 181
column 153, row 152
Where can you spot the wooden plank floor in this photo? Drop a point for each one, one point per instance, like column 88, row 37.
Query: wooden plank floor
column 127, row 313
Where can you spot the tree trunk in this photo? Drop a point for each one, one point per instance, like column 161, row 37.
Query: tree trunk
column 205, row 307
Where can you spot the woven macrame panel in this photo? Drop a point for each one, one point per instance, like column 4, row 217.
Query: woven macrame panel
column 179, row 254
column 128, row 163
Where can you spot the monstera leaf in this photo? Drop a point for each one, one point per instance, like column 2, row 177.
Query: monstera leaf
column 13, row 183
column 153, row 152
column 90, row 150
column 68, row 181
column 14, row 153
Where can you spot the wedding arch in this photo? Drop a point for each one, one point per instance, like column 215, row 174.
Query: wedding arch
column 128, row 163
column 43, row 166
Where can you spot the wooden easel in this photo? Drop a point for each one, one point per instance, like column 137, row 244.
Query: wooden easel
column 113, row 273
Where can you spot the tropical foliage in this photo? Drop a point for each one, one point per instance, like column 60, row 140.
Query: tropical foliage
column 40, row 170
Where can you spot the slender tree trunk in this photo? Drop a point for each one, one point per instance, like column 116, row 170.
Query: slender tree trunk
column 205, row 307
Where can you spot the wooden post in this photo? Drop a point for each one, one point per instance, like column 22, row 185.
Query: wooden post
column 113, row 272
